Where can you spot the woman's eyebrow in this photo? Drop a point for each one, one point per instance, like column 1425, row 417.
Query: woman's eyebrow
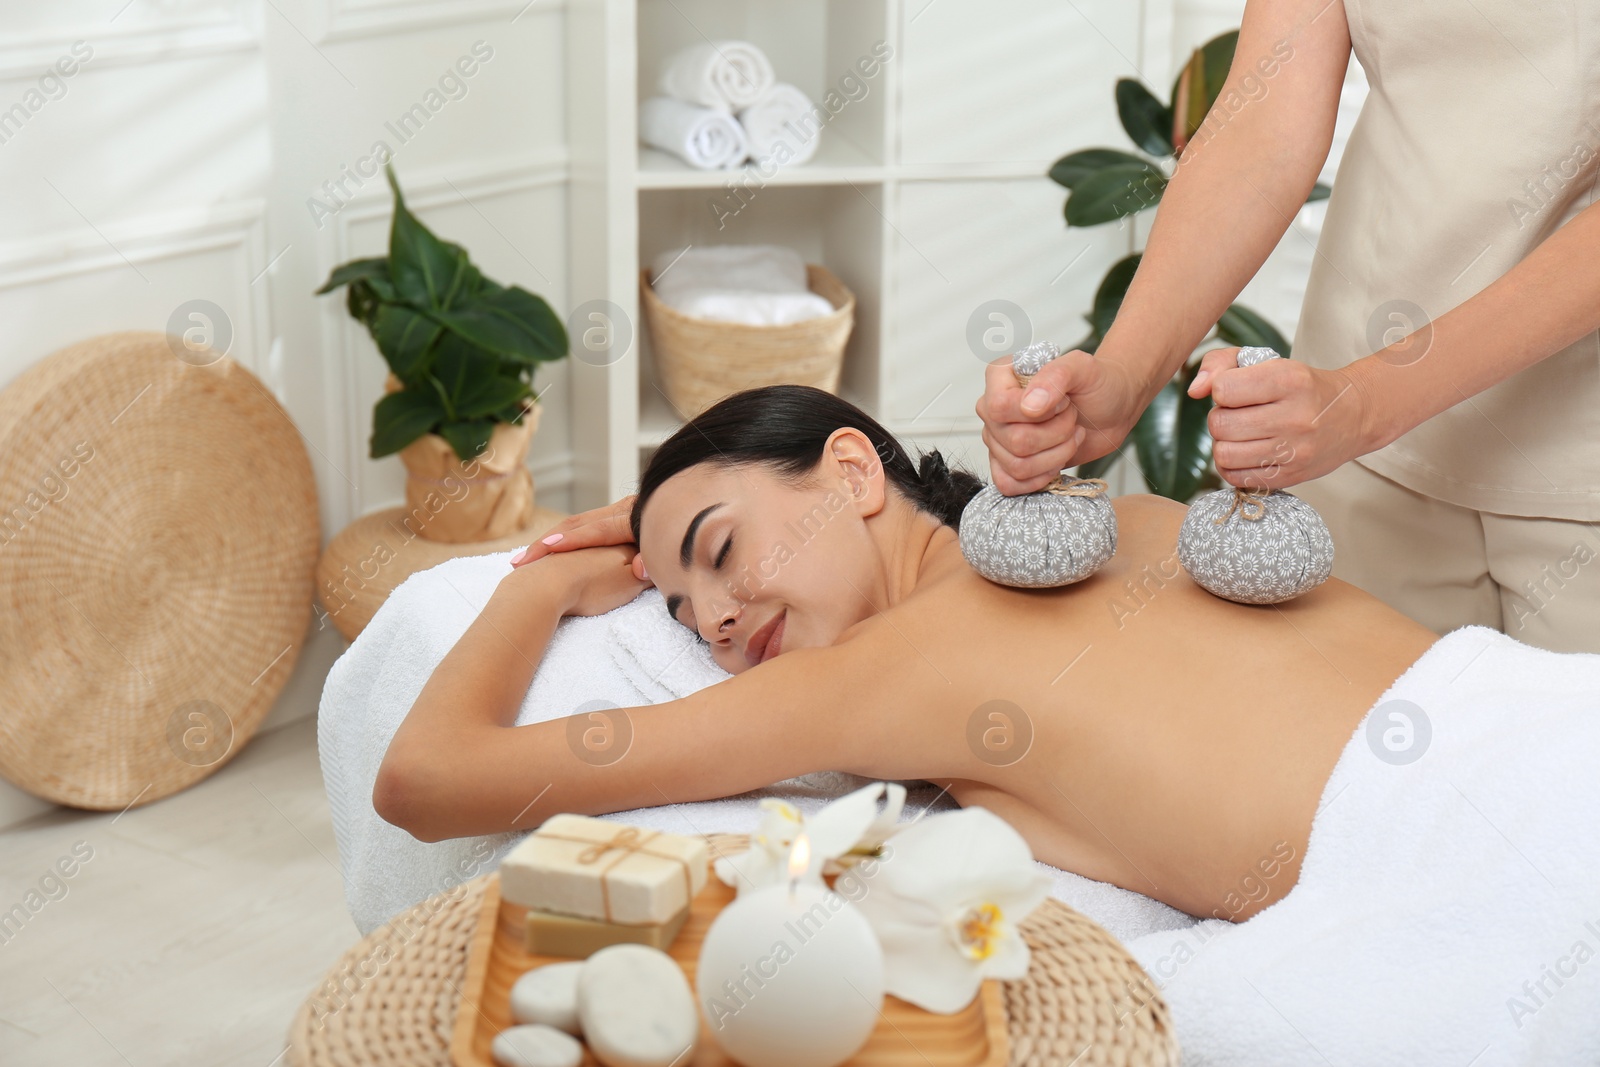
column 686, row 549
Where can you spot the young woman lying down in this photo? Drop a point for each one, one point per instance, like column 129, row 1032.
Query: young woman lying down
column 1177, row 739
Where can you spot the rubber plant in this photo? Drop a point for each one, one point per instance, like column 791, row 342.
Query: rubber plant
column 464, row 347
column 1107, row 184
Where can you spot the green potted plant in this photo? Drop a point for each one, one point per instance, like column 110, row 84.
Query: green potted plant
column 459, row 405
column 1106, row 184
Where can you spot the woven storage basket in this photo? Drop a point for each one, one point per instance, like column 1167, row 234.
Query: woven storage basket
column 391, row 1000
column 700, row 361
column 155, row 568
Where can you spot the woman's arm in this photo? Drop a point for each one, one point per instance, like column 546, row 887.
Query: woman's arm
column 1238, row 186
column 1280, row 423
column 457, row 768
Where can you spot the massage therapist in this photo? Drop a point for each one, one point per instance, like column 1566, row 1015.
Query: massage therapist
column 1442, row 410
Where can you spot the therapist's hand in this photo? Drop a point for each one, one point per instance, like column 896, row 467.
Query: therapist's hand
column 1088, row 406
column 1281, row 422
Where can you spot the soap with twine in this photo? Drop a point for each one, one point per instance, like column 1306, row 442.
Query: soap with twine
column 1056, row 536
column 1255, row 546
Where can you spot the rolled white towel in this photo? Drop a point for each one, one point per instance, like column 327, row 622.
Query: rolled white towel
column 786, row 116
column 700, row 136
column 721, row 74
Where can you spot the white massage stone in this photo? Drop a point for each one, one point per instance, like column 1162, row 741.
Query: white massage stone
column 635, row 1007
column 1056, row 536
column 1255, row 547
column 535, row 1046
column 549, row 995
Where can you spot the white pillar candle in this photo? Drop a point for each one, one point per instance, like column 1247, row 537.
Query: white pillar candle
column 790, row 975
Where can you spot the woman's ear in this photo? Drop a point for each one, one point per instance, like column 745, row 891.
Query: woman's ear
column 855, row 463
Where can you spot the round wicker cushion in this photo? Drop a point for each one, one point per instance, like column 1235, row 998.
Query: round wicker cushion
column 156, row 550
column 391, row 1000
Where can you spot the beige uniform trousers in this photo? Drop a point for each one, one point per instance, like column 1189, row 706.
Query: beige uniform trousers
column 1446, row 566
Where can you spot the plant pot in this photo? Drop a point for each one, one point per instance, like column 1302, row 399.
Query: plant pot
column 485, row 498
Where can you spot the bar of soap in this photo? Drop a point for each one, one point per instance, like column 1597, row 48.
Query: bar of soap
column 598, row 869
column 535, row 1046
column 636, row 1008
column 552, row 934
column 548, row 995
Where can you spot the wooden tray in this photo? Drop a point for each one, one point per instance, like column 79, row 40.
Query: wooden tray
column 906, row 1036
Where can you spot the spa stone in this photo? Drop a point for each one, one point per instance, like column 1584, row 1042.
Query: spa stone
column 549, row 995
column 1255, row 546
column 1059, row 535
column 535, row 1046
column 635, row 1007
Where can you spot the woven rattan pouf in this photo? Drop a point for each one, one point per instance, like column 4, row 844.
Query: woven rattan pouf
column 391, row 1000
column 158, row 529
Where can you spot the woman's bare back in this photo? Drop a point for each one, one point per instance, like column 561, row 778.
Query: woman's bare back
column 1135, row 728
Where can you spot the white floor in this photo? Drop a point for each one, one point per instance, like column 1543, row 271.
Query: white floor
column 191, row 934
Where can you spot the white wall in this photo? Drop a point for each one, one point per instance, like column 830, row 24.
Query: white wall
column 176, row 163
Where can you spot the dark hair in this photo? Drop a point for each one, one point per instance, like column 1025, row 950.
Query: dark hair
column 783, row 427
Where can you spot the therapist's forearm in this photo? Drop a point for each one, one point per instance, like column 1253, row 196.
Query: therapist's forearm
column 1539, row 307
column 1237, row 187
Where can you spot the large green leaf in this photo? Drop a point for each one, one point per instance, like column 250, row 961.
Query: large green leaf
column 402, row 417
column 405, row 337
column 346, row 273
column 425, row 270
column 1073, row 168
column 1318, row 192
column 512, row 323
column 1241, row 326
column 1115, row 192
column 468, row 437
column 1172, row 442
column 1147, row 120
column 1096, row 468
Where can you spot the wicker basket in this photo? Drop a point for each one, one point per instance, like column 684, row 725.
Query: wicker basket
column 700, row 361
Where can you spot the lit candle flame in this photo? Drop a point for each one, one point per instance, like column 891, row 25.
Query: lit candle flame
column 799, row 856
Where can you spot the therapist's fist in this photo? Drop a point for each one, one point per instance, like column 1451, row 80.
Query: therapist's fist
column 1280, row 422
column 1074, row 410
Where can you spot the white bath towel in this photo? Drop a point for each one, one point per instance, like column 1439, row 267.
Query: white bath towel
column 721, row 74
column 761, row 284
column 783, row 116
column 702, row 137
column 1448, row 908
column 629, row 657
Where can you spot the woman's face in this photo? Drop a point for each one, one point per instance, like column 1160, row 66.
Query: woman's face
column 757, row 567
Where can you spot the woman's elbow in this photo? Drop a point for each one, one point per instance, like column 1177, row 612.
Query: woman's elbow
column 401, row 796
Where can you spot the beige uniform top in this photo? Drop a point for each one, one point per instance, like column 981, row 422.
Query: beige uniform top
column 1480, row 138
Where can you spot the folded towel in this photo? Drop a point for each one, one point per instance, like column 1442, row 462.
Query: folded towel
column 632, row 656
column 1448, row 905
column 721, row 74
column 700, row 136
column 785, row 116
column 762, row 285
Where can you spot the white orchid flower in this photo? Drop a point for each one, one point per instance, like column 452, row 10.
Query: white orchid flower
column 946, row 903
column 850, row 824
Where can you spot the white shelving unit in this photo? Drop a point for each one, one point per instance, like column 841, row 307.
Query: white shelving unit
column 927, row 195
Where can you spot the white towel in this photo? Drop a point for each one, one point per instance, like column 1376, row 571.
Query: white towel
column 721, row 74
column 632, row 656
column 700, row 136
column 760, row 284
column 785, row 116
column 1448, row 909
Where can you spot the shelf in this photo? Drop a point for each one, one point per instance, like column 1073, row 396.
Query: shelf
column 837, row 162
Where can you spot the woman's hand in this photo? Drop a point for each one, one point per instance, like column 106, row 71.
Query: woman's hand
column 591, row 581
column 589, row 529
column 1077, row 408
column 1280, row 423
